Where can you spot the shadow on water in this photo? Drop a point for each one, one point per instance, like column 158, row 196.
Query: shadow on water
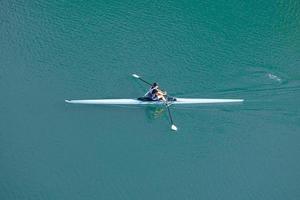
column 154, row 112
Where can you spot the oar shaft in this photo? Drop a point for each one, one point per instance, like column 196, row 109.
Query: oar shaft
column 171, row 119
column 173, row 127
column 145, row 81
column 140, row 78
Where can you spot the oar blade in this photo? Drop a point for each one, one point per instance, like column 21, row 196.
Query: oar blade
column 135, row 76
column 173, row 127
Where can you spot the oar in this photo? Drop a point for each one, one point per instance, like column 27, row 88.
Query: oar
column 173, row 127
column 138, row 77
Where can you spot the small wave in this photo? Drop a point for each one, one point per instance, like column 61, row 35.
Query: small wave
column 274, row 77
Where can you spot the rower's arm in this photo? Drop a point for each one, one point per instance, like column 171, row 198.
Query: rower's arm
column 162, row 92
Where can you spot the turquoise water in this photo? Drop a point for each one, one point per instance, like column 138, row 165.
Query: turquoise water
column 56, row 50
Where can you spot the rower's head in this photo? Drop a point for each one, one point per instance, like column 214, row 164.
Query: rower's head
column 155, row 85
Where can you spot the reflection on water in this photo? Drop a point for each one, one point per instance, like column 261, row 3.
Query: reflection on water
column 154, row 112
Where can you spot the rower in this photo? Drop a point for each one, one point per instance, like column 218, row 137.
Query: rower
column 155, row 93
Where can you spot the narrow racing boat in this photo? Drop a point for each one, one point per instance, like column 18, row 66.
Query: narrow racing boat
column 145, row 102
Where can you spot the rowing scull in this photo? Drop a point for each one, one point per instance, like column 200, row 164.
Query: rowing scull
column 140, row 102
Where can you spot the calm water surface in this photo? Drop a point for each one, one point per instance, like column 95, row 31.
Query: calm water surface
column 56, row 50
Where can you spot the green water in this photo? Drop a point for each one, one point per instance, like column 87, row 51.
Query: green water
column 56, row 50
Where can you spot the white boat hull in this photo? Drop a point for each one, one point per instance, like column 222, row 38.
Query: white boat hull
column 139, row 102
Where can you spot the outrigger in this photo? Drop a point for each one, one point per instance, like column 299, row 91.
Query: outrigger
column 146, row 100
